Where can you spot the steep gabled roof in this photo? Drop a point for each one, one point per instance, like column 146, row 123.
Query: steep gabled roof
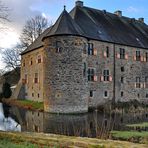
column 105, row 26
column 98, row 25
column 65, row 25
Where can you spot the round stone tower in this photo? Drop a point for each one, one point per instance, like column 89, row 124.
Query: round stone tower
column 65, row 81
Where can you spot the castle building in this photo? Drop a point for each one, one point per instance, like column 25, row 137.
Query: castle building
column 87, row 58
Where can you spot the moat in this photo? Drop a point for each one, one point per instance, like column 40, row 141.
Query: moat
column 92, row 124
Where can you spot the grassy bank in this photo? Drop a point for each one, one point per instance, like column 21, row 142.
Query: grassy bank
column 27, row 104
column 133, row 136
column 36, row 140
column 144, row 124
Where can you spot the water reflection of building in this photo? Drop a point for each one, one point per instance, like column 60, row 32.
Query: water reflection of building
column 89, row 125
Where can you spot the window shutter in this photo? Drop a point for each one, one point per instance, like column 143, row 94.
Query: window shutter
column 110, row 78
column 95, row 78
column 134, row 58
column 135, row 85
column 118, row 55
column 141, row 85
column 141, row 58
column 95, row 51
column 126, row 56
column 105, row 55
column 144, row 58
column 144, row 85
column 102, row 78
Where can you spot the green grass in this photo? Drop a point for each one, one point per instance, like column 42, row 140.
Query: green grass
column 40, row 140
column 129, row 134
column 32, row 104
column 132, row 136
column 6, row 143
column 144, row 124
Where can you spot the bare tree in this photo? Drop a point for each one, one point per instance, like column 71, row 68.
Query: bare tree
column 33, row 28
column 3, row 13
column 11, row 57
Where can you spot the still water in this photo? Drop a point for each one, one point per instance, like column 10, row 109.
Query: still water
column 93, row 124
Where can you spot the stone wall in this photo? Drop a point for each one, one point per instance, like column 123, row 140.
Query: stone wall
column 62, row 84
column 34, row 91
column 132, row 69
column 100, row 63
column 65, row 88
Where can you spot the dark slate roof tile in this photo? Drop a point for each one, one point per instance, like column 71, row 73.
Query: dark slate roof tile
column 98, row 25
column 65, row 25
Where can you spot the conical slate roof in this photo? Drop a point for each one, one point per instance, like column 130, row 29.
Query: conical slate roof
column 65, row 25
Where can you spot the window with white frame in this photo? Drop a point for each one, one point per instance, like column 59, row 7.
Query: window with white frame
column 91, row 74
column 122, row 53
column 106, row 75
column 90, row 49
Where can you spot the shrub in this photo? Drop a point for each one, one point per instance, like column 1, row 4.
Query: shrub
column 6, row 90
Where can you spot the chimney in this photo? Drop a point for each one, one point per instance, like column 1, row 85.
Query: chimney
column 79, row 3
column 141, row 20
column 118, row 13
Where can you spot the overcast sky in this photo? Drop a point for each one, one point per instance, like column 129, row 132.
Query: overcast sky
column 22, row 10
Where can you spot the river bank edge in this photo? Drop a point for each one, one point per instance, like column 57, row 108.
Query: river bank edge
column 28, row 139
